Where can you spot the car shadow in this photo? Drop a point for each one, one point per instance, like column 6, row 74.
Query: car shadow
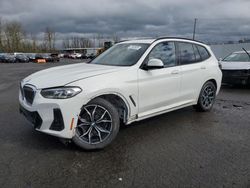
column 135, row 133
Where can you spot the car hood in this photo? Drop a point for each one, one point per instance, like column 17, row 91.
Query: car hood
column 230, row 65
column 63, row 75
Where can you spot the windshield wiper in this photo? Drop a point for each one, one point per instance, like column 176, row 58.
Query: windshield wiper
column 246, row 52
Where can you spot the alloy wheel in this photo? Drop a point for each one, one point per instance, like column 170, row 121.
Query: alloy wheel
column 208, row 96
column 94, row 124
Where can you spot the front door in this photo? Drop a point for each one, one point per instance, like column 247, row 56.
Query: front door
column 159, row 88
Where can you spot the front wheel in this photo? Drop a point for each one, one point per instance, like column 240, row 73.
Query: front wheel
column 206, row 97
column 98, row 125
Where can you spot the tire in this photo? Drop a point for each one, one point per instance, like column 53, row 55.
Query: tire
column 206, row 98
column 98, row 125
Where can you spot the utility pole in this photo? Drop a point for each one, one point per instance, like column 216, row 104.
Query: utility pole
column 195, row 20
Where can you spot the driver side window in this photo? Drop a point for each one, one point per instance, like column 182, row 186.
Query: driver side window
column 164, row 51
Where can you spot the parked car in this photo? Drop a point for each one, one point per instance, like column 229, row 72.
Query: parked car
column 75, row 56
column 2, row 58
column 7, row 58
column 55, row 57
column 61, row 55
column 39, row 58
column 90, row 56
column 236, row 68
column 46, row 57
column 83, row 56
column 131, row 81
column 32, row 57
column 21, row 58
column 66, row 55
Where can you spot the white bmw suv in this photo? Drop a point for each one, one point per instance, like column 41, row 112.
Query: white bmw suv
column 131, row 81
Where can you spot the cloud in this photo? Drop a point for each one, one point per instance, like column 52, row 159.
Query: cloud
column 217, row 19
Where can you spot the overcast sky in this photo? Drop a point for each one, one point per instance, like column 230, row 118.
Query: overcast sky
column 217, row 19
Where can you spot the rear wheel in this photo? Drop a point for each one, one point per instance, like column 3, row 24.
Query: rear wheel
column 98, row 125
column 206, row 97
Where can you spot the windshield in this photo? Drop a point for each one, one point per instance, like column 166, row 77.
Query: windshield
column 121, row 55
column 238, row 57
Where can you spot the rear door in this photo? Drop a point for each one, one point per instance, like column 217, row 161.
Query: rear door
column 192, row 69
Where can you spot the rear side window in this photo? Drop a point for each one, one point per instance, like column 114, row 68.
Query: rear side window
column 186, row 53
column 203, row 52
column 197, row 53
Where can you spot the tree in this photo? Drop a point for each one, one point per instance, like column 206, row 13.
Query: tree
column 34, row 46
column 100, row 40
column 76, row 42
column 14, row 35
column 66, row 43
column 85, row 42
column 49, row 39
column 116, row 38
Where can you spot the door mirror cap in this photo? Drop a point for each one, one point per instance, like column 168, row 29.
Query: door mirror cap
column 220, row 59
column 155, row 64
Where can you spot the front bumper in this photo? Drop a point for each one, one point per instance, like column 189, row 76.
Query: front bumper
column 236, row 76
column 32, row 117
column 57, row 117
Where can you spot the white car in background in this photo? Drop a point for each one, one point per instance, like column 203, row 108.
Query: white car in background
column 236, row 68
column 61, row 55
column 75, row 56
column 131, row 81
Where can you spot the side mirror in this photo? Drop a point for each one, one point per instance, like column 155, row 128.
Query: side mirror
column 220, row 59
column 154, row 64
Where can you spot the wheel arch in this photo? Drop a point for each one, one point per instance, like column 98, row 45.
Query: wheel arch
column 213, row 81
column 119, row 101
column 207, row 80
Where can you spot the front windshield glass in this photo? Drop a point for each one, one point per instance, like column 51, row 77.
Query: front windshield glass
column 238, row 57
column 122, row 54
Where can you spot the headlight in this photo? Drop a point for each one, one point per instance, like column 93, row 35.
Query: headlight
column 60, row 93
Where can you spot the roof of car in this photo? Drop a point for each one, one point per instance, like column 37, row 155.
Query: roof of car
column 151, row 40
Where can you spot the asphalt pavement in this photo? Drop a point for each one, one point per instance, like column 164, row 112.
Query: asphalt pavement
column 183, row 148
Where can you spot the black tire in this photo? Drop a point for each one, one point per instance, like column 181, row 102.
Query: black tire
column 92, row 116
column 206, row 98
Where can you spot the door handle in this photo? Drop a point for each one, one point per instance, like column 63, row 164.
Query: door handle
column 203, row 67
column 175, row 72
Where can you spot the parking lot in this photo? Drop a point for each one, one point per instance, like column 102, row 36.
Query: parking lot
column 179, row 149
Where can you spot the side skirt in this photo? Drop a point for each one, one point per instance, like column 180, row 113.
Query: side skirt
column 136, row 118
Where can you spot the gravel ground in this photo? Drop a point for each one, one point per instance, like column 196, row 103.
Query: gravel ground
column 178, row 149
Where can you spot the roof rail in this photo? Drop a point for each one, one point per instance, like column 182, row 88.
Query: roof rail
column 121, row 41
column 160, row 38
column 136, row 38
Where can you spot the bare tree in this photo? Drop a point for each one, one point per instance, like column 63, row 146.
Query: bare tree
column 116, row 38
column 49, row 39
column 76, row 42
column 100, row 40
column 85, row 42
column 66, row 43
column 14, row 35
column 14, row 39
column 34, row 45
